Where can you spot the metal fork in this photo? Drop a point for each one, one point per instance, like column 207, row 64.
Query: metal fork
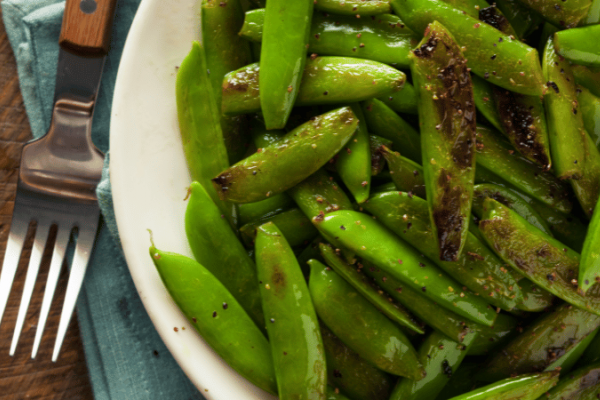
column 60, row 171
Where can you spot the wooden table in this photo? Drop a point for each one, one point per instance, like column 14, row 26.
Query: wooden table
column 20, row 376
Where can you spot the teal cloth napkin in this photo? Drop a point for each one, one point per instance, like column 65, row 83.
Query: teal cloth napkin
column 125, row 356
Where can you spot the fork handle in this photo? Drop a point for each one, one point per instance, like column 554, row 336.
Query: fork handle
column 86, row 26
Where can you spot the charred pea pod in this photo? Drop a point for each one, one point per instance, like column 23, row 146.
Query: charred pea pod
column 447, row 119
column 293, row 224
column 578, row 45
column 360, row 325
column 404, row 101
column 483, row 94
column 535, row 255
column 360, row 282
column 282, row 57
column 589, row 267
column 521, row 18
column 587, row 188
column 488, row 339
column 510, row 64
column 291, row 320
column 583, row 384
column 589, row 105
column 218, row 317
column 494, row 16
column 478, row 268
column 377, row 158
column 535, row 299
column 441, row 319
column 567, row 134
column 354, row 7
column 385, row 39
column 566, row 15
column 216, row 246
column 439, row 356
column 587, row 77
column 351, row 374
column 542, row 343
column 200, row 127
column 373, row 242
column 497, row 155
column 523, row 387
column 511, row 199
column 354, row 161
column 307, row 148
column 250, row 212
column 326, row 80
column 565, row 363
column 407, row 175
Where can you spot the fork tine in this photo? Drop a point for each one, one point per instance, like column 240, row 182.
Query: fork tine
column 83, row 250
column 41, row 237
column 58, row 256
column 16, row 237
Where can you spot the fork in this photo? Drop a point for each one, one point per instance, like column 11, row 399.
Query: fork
column 59, row 172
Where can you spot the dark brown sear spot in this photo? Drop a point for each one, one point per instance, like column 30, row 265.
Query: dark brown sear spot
column 241, row 81
column 491, row 16
column 377, row 158
column 224, row 181
column 278, row 280
column 426, row 50
column 448, row 218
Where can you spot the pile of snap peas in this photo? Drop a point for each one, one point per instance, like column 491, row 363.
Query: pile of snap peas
column 394, row 199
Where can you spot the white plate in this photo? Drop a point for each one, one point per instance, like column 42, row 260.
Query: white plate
column 149, row 180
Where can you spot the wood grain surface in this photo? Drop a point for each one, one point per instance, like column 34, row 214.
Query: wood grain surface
column 20, row 376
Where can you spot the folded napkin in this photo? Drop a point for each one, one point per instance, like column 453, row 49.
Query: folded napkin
column 125, row 356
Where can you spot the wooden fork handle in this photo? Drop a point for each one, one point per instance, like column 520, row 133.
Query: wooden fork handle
column 86, row 26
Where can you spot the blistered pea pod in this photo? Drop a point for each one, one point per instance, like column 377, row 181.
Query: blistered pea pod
column 522, row 387
column 439, row 356
column 535, row 299
column 325, row 80
column 360, row 282
column 490, row 338
column 587, row 77
column 351, row 374
column 293, row 224
column 218, row 317
column 249, row 212
column 521, row 18
column 478, row 268
column 307, row 148
column 360, row 325
column 290, row 317
column 565, row 16
column 583, row 384
column 589, row 105
column 406, row 174
column 578, row 45
column 565, row 363
column 354, row 7
column 509, row 64
column 377, row 158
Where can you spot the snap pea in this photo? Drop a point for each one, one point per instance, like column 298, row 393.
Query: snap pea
column 565, row 15
column 593, row 15
column 440, row 356
column 587, row 188
column 354, row 7
column 373, row 242
column 441, row 319
column 521, row 18
column 589, row 105
column 291, row 320
column 523, row 387
column 494, row 16
column 589, row 266
column 509, row 64
column 249, row 212
column 218, row 317
column 351, row 374
column 282, row 57
column 483, row 94
column 536, row 255
column 404, row 101
column 293, row 224
column 583, row 384
column 543, row 342
column 587, row 77
column 360, row 282
column 261, row 136
column 565, row 363
column 385, row 39
column 360, row 325
column 461, row 381
column 325, row 80
column 535, row 299
column 592, row 353
column 406, row 174
column 377, row 158
column 478, row 268
column 447, row 122
column 354, row 162
column 199, row 125
column 489, row 339
column 215, row 246
column 307, row 148
column 578, row 45
column 386, row 187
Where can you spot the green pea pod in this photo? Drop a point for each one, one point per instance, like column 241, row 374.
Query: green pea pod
column 385, row 39
column 439, row 356
column 510, row 64
column 521, row 18
column 261, row 136
column 542, row 343
column 536, row 255
column 354, row 162
column 215, row 246
column 535, row 299
column 406, row 174
column 386, row 187
column 404, row 101
column 494, row 16
column 565, row 363
column 478, row 268
column 373, row 242
column 307, row 148
column 377, row 158
column 583, row 384
column 564, row 15
column 497, row 155
column 360, row 325
column 351, row 374
column 489, row 339
column 200, row 127
column 587, row 188
column 360, row 282
column 354, row 7
column 577, row 45
column 588, row 78
column 295, row 227
column 511, row 199
column 447, row 119
column 461, row 381
column 326, row 80
column 250, row 212
column 291, row 320
column 589, row 267
column 483, row 94
column 441, row 319
column 593, row 15
column 218, row 317
column 592, row 353
column 589, row 105
column 523, row 387
column 567, row 133
column 282, row 57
